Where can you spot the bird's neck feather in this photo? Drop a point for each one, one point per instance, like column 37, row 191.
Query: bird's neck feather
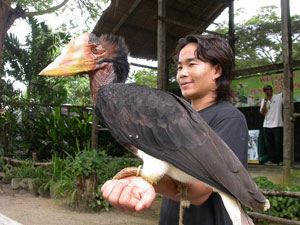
column 101, row 77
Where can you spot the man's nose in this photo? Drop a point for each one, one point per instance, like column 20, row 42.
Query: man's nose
column 182, row 73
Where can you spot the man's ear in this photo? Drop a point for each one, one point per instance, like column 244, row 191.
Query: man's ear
column 218, row 72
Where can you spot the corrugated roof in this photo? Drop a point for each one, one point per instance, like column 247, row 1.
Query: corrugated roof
column 136, row 21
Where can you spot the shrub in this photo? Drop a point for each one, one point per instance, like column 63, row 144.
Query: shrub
column 283, row 207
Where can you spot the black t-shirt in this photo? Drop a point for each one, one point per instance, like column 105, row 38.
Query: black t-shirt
column 230, row 124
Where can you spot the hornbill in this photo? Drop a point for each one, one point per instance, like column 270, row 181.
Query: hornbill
column 165, row 129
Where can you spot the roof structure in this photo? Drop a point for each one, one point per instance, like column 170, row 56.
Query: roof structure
column 136, row 21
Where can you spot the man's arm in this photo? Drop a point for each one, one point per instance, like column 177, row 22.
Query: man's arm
column 263, row 109
column 133, row 194
column 197, row 192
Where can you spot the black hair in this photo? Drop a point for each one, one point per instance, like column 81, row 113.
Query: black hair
column 215, row 50
column 267, row 87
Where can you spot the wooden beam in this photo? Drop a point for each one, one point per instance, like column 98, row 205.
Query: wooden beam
column 296, row 115
column 189, row 26
column 161, row 47
column 292, row 194
column 264, row 69
column 16, row 161
column 143, row 66
column 288, row 106
column 273, row 219
column 125, row 16
column 144, row 30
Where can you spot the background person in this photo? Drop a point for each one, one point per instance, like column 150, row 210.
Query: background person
column 271, row 109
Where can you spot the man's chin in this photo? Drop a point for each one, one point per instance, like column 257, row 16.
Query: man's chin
column 186, row 95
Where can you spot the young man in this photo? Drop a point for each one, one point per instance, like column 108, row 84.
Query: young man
column 271, row 108
column 205, row 72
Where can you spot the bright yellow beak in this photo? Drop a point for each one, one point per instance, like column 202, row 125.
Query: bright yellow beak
column 77, row 58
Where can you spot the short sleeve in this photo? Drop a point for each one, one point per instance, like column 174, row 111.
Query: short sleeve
column 234, row 132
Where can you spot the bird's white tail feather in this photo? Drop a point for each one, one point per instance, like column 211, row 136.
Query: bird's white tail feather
column 235, row 211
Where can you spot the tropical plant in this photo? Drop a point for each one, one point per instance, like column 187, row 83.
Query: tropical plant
column 25, row 62
column 10, row 131
column 283, row 207
column 48, row 133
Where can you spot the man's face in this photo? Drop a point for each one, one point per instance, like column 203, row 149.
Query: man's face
column 196, row 78
column 269, row 93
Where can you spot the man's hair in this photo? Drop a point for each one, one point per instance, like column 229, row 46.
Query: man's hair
column 267, row 87
column 215, row 50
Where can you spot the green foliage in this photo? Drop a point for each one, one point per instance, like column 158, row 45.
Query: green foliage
column 46, row 131
column 54, row 133
column 99, row 202
column 146, row 77
column 78, row 91
column 283, row 207
column 27, row 170
column 65, row 182
column 25, row 62
column 9, row 131
column 7, row 92
column 86, row 7
column 87, row 162
column 258, row 40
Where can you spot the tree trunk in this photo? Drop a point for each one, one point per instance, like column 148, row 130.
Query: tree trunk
column 7, row 18
column 86, row 187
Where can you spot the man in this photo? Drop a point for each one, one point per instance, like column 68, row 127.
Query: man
column 271, row 108
column 204, row 74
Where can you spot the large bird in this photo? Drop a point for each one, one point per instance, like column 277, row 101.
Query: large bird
column 171, row 137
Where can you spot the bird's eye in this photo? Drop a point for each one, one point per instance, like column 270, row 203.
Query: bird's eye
column 97, row 49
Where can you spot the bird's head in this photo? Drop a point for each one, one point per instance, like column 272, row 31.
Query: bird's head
column 104, row 58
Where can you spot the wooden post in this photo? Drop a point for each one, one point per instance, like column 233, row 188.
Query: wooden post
column 94, row 144
column 288, row 125
column 161, row 46
column 231, row 26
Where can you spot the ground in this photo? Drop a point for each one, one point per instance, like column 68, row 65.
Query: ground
column 27, row 209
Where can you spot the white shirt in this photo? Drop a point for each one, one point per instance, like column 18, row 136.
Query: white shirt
column 273, row 116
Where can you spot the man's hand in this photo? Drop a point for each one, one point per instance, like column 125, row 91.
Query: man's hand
column 130, row 194
column 267, row 97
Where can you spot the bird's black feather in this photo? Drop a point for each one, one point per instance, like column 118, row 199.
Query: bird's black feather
column 168, row 128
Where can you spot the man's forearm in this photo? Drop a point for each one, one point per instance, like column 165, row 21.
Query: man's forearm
column 197, row 192
column 263, row 111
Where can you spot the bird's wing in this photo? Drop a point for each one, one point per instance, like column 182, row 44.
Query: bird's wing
column 168, row 128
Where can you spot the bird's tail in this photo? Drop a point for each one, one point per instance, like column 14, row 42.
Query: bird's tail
column 235, row 211
column 245, row 218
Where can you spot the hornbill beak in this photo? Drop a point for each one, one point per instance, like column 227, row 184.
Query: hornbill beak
column 77, row 58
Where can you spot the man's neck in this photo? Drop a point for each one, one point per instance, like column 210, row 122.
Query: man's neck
column 202, row 103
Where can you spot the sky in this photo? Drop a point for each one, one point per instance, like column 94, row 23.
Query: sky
column 251, row 8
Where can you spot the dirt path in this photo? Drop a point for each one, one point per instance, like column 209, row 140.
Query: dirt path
column 30, row 210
